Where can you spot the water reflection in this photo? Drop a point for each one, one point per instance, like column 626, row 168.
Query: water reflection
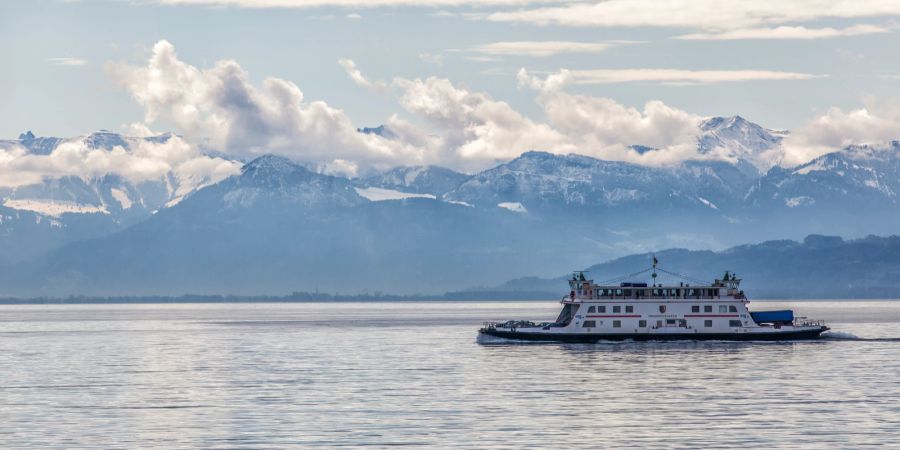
column 282, row 375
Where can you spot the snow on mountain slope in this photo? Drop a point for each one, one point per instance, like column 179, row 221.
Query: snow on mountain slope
column 54, row 208
column 545, row 180
column 739, row 141
column 857, row 174
column 275, row 179
column 432, row 180
column 513, row 206
column 58, row 190
column 380, row 194
column 571, row 200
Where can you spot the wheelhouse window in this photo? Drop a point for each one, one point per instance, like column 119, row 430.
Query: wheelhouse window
column 589, row 324
column 734, row 323
column 592, row 309
column 707, row 308
column 642, row 324
column 617, row 309
column 732, row 308
column 695, row 308
column 707, row 323
column 617, row 324
column 601, row 308
column 629, row 308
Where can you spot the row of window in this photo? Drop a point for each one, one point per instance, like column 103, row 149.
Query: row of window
column 709, row 308
column 615, row 324
column 615, row 309
column 643, row 323
column 694, row 309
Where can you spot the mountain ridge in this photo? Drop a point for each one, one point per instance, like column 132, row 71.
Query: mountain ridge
column 817, row 267
column 281, row 224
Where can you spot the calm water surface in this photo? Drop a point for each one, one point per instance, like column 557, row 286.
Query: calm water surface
column 411, row 373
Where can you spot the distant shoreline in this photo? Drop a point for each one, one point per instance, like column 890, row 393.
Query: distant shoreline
column 336, row 299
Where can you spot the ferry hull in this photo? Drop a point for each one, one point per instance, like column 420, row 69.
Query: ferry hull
column 792, row 335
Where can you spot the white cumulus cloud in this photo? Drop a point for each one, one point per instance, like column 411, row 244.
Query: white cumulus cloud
column 221, row 106
column 356, row 75
column 838, row 128
column 447, row 124
column 606, row 129
column 473, row 126
column 143, row 161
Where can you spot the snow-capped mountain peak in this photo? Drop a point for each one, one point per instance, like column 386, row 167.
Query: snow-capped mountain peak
column 271, row 164
column 106, row 140
column 739, row 141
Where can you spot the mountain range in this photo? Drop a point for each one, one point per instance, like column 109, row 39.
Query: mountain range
column 280, row 226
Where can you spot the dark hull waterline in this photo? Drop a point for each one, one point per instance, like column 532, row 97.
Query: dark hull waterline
column 799, row 335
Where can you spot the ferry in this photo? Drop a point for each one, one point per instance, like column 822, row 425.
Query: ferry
column 656, row 312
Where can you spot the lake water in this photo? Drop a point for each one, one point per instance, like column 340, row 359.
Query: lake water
column 278, row 375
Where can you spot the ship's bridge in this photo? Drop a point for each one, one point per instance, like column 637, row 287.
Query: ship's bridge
column 583, row 288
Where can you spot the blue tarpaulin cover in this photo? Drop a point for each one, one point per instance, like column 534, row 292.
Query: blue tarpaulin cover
column 786, row 315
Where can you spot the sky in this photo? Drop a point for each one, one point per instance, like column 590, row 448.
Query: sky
column 459, row 83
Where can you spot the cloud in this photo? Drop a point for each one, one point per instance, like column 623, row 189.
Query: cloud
column 837, row 128
column 606, row 129
column 540, row 48
column 348, row 3
column 143, row 161
column 354, row 16
column 67, row 61
column 679, row 76
column 716, row 15
column 471, row 130
column 449, row 124
column 786, row 32
column 357, row 76
column 474, row 128
column 431, row 58
column 222, row 107
column 481, row 58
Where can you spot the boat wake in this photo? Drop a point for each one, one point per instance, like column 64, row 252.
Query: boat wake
column 840, row 336
column 844, row 336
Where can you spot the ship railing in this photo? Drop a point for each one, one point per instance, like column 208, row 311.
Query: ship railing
column 806, row 322
column 513, row 324
column 568, row 299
